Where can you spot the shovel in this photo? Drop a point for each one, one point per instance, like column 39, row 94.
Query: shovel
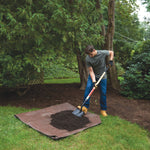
column 79, row 112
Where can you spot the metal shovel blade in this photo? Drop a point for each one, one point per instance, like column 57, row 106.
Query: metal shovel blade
column 78, row 113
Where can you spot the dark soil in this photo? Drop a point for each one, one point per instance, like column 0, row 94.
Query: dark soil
column 66, row 120
column 41, row 96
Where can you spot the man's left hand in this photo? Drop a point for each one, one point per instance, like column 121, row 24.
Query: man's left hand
column 111, row 63
column 94, row 85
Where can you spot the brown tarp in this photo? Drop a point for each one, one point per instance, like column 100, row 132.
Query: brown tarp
column 57, row 121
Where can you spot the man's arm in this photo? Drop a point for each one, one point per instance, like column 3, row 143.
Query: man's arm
column 111, row 55
column 92, row 74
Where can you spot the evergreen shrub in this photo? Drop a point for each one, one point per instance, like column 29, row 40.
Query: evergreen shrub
column 136, row 83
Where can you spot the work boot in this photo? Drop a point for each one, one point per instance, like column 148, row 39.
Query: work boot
column 103, row 113
column 84, row 109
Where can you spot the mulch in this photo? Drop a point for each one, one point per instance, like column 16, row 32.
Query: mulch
column 41, row 96
column 65, row 120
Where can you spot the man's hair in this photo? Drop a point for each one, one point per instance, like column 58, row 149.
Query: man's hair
column 89, row 49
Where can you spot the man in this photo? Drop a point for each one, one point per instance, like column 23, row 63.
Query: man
column 96, row 65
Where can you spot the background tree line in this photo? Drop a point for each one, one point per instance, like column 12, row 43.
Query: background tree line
column 37, row 35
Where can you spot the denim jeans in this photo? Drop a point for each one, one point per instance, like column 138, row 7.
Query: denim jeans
column 102, row 89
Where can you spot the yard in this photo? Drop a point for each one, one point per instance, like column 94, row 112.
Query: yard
column 129, row 132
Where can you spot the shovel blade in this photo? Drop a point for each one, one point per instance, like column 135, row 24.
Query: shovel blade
column 78, row 113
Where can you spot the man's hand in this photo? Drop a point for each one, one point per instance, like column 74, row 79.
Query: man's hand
column 94, row 84
column 111, row 63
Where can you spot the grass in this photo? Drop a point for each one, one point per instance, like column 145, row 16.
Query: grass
column 61, row 81
column 113, row 134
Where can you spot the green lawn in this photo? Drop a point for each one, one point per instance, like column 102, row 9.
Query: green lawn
column 61, row 81
column 113, row 134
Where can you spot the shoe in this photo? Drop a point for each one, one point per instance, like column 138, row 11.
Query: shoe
column 84, row 109
column 103, row 113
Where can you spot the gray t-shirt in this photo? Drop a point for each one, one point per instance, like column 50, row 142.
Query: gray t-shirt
column 98, row 62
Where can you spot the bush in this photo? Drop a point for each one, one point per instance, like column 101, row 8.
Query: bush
column 136, row 83
column 120, row 69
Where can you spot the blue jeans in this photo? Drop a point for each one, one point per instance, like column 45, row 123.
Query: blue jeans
column 102, row 87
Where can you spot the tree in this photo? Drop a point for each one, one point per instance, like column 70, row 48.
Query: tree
column 75, row 29
column 146, row 23
column 109, row 42
column 127, row 31
column 147, row 2
column 30, row 30
column 85, row 31
column 23, row 41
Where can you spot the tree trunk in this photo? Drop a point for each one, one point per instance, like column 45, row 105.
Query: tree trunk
column 81, row 60
column 82, row 70
column 109, row 43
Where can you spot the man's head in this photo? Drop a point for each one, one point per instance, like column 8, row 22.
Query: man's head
column 90, row 50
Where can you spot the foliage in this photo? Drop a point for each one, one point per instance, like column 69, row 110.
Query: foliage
column 136, row 83
column 146, row 22
column 32, row 33
column 73, row 26
column 147, row 32
column 59, row 71
column 60, row 65
column 123, row 53
column 120, row 134
column 30, row 30
column 120, row 70
column 23, row 41
column 142, row 47
column 127, row 31
column 147, row 2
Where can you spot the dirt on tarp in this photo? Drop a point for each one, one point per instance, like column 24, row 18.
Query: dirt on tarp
column 41, row 96
column 66, row 120
column 57, row 121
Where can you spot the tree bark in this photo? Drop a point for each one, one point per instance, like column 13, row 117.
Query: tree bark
column 109, row 43
column 82, row 70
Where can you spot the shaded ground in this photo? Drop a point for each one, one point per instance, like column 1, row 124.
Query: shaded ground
column 41, row 96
